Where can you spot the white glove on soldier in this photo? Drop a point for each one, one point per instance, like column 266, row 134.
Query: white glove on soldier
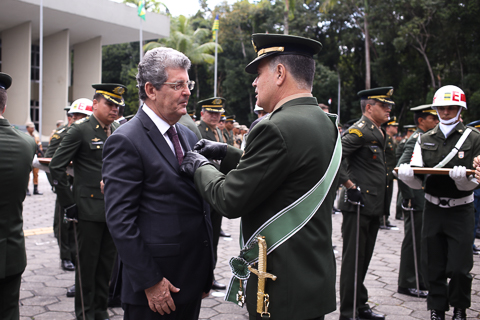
column 405, row 173
column 463, row 183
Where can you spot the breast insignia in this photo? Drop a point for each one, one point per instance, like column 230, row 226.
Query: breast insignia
column 356, row 131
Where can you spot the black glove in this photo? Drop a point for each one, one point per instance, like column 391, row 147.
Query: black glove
column 71, row 213
column 354, row 195
column 210, row 149
column 192, row 162
column 405, row 203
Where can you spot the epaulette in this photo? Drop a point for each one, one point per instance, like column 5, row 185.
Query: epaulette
column 415, row 135
column 55, row 136
column 82, row 120
column 60, row 130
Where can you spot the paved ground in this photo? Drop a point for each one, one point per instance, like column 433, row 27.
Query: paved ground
column 44, row 283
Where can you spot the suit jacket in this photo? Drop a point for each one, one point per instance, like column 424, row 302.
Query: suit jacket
column 16, row 155
column 83, row 144
column 280, row 164
column 159, row 223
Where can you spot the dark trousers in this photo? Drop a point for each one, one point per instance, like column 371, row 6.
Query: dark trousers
column 406, row 274
column 447, row 253
column 388, row 200
column 64, row 234
column 189, row 311
column 399, row 211
column 368, row 235
column 97, row 254
column 9, row 296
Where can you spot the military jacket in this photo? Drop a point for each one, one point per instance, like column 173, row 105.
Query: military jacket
column 280, row 165
column 408, row 193
column 55, row 141
column 400, row 149
column 435, row 147
column 228, row 137
column 83, row 144
column 390, row 159
column 363, row 154
column 16, row 154
column 207, row 132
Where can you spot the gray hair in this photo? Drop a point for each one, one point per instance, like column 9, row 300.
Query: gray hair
column 154, row 65
column 301, row 67
column 363, row 104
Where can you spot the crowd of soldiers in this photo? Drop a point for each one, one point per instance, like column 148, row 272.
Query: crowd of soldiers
column 437, row 206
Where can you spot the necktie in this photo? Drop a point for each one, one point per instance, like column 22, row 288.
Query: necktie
column 215, row 133
column 107, row 131
column 172, row 134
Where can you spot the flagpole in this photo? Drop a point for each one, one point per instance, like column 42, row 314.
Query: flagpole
column 215, row 80
column 40, row 82
column 141, row 40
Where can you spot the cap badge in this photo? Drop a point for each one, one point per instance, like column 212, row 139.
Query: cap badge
column 390, row 92
column 119, row 90
column 217, row 101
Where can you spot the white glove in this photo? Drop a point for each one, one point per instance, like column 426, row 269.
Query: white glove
column 405, row 173
column 463, row 183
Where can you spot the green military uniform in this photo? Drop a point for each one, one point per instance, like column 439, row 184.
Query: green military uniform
column 279, row 166
column 228, row 135
column 63, row 231
column 83, row 144
column 364, row 156
column 398, row 153
column 208, row 133
column 280, row 171
column 187, row 121
column 446, row 236
column 15, row 167
column 390, row 161
column 406, row 273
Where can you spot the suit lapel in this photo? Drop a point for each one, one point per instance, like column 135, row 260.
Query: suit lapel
column 158, row 139
column 183, row 140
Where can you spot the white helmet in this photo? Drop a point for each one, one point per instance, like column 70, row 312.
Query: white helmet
column 449, row 96
column 257, row 108
column 82, row 105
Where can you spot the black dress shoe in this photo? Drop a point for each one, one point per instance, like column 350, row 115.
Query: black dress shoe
column 475, row 248
column 347, row 318
column 437, row 315
column 218, row 286
column 412, row 292
column 384, row 227
column 367, row 313
column 223, row 234
column 67, row 265
column 476, row 253
column 71, row 291
column 391, row 225
column 459, row 314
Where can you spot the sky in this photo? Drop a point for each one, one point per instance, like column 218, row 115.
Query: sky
column 190, row 7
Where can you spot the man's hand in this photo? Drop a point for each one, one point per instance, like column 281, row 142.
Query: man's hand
column 406, row 174
column 192, row 162
column 211, row 150
column 463, row 183
column 71, row 213
column 354, row 195
column 159, row 298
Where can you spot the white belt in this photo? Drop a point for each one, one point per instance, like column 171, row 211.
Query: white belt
column 443, row 202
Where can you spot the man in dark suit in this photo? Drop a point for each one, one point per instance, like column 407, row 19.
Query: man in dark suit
column 160, row 224
column 15, row 167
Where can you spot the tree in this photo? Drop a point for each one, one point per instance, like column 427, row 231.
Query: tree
column 151, row 5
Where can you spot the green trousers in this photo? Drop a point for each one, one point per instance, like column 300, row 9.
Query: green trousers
column 368, row 235
column 97, row 255
column 9, row 296
column 64, row 233
column 447, row 254
column 406, row 274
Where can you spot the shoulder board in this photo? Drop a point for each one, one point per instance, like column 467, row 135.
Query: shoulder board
column 475, row 130
column 360, row 124
column 355, row 131
column 55, row 136
column 60, row 130
column 415, row 135
column 81, row 120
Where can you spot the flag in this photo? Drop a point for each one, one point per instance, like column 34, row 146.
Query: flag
column 215, row 28
column 141, row 9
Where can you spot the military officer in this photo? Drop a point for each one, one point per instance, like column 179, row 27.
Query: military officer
column 278, row 176
column 363, row 148
column 411, row 128
column 449, row 210
column 63, row 231
column 425, row 119
column 212, row 110
column 15, row 167
column 228, row 133
column 391, row 129
column 83, row 144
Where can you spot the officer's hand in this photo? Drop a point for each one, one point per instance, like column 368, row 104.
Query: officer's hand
column 71, row 213
column 192, row 162
column 405, row 172
column 408, row 203
column 210, row 149
column 354, row 195
column 463, row 183
column 476, row 162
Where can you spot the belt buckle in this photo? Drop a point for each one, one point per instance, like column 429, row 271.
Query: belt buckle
column 444, row 202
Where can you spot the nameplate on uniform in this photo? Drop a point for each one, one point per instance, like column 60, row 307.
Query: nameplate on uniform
column 97, row 141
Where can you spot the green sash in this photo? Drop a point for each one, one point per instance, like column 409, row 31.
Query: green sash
column 282, row 225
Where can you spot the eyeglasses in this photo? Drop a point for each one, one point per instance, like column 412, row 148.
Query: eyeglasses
column 181, row 85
